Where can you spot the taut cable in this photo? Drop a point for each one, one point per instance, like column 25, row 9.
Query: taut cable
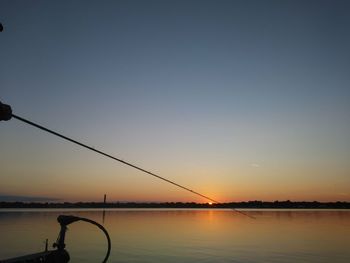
column 119, row 160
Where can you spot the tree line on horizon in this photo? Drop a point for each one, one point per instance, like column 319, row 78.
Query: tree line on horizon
column 248, row 204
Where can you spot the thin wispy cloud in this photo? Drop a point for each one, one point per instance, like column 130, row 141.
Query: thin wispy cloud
column 20, row 198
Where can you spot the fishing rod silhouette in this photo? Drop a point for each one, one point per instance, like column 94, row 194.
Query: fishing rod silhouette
column 6, row 114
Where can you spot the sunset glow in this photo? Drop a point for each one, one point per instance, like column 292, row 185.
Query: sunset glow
column 236, row 101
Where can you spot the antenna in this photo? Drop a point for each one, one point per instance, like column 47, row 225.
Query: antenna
column 6, row 114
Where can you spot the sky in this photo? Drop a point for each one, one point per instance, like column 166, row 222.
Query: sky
column 238, row 100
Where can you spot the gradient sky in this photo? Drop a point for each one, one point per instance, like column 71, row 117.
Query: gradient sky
column 240, row 100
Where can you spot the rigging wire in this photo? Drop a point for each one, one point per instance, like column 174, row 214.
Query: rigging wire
column 124, row 162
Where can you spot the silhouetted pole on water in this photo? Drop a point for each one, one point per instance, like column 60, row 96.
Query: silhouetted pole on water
column 104, row 206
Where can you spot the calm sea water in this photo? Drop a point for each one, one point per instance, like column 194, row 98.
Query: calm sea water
column 185, row 235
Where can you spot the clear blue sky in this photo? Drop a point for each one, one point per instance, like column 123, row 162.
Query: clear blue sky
column 238, row 99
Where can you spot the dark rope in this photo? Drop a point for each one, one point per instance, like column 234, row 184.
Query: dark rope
column 104, row 231
column 119, row 160
column 66, row 220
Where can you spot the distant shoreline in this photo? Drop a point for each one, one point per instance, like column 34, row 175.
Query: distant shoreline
column 250, row 204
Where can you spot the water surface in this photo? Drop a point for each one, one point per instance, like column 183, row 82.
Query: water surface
column 166, row 235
